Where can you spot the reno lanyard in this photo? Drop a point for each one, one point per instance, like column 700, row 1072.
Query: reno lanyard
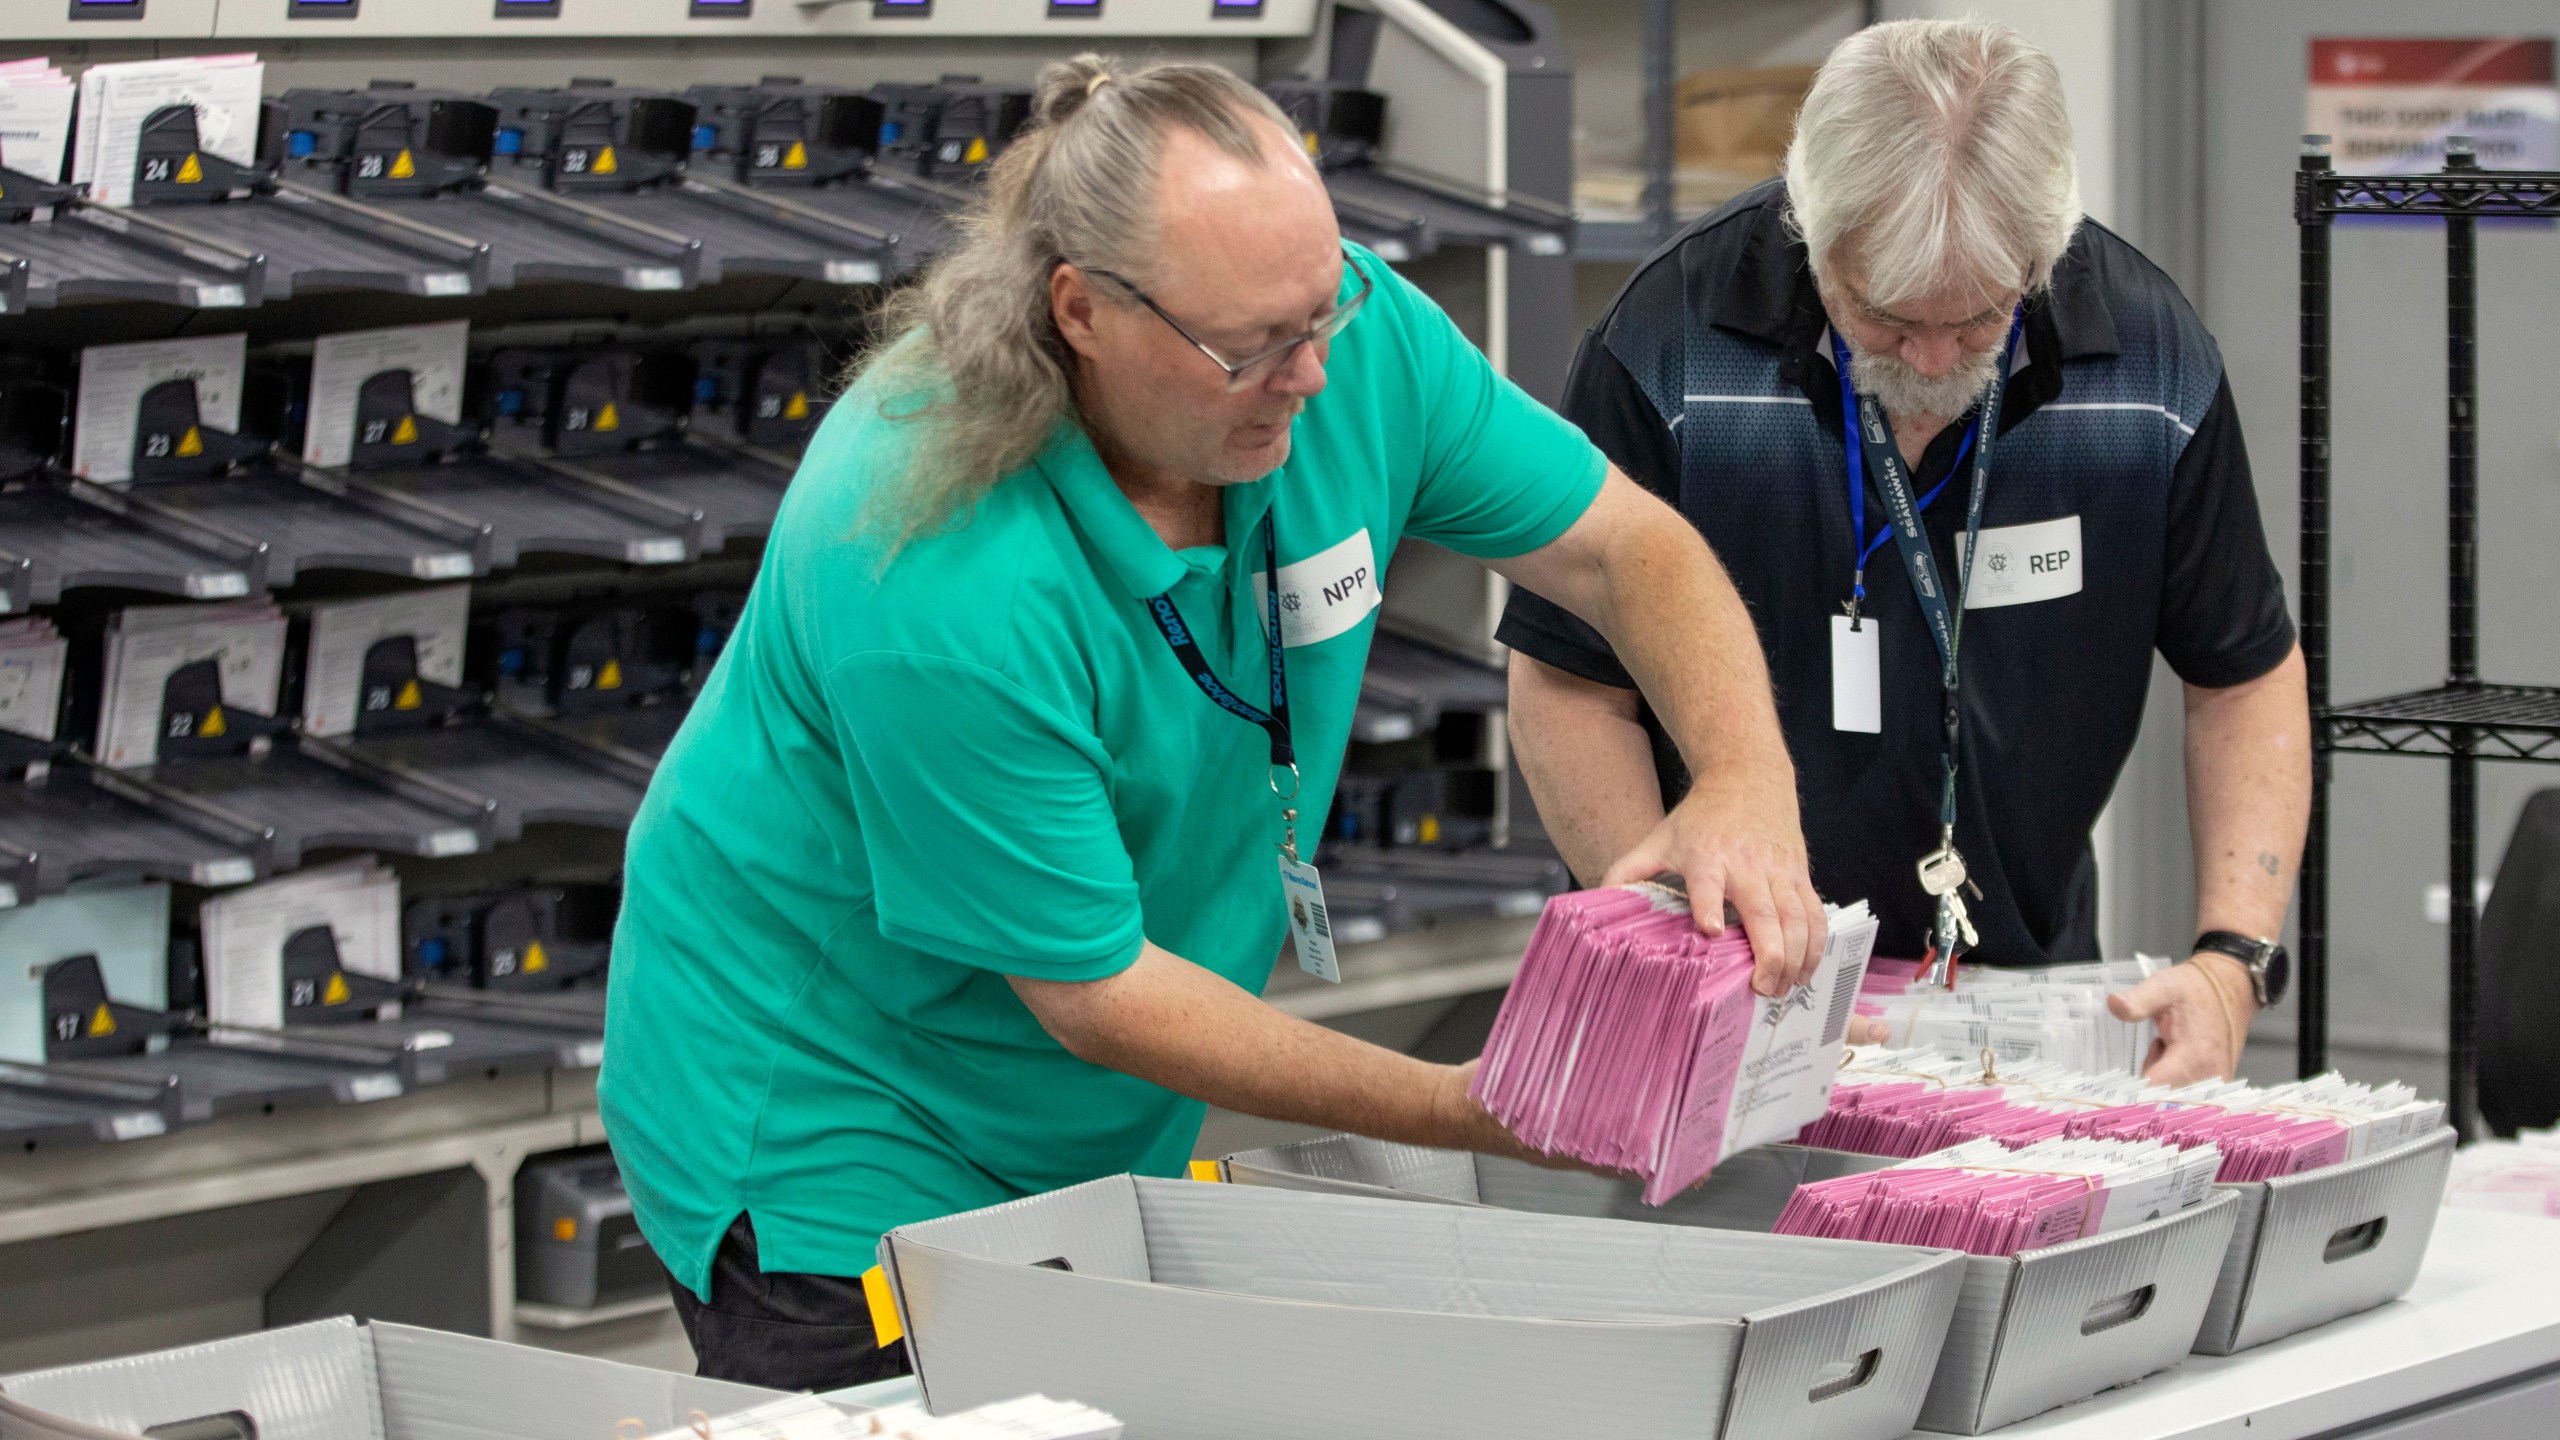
column 1874, row 452
column 1310, row 926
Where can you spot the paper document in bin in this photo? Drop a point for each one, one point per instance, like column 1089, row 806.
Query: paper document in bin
column 115, row 100
column 433, row 355
column 35, row 118
column 114, row 378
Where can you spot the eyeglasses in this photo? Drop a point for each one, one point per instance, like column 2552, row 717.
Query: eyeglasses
column 1253, row 370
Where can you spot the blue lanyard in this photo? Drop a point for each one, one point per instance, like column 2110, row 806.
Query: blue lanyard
column 1872, row 450
column 1186, row 648
column 1865, row 547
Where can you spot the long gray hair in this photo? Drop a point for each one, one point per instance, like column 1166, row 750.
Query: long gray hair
column 970, row 353
column 1935, row 152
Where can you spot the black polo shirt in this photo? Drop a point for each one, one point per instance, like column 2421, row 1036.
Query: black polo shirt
column 1710, row 383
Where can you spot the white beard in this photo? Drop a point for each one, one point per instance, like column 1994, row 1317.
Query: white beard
column 1902, row 390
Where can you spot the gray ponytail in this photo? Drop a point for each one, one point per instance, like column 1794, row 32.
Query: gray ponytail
column 969, row 353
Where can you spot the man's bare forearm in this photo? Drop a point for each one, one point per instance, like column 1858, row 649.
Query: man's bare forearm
column 2248, row 750
column 1588, row 762
column 1649, row 583
column 1172, row 1023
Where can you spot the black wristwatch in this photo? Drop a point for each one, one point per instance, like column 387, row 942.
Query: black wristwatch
column 2270, row 969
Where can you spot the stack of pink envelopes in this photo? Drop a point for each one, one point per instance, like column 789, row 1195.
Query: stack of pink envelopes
column 1988, row 1200
column 1632, row 1042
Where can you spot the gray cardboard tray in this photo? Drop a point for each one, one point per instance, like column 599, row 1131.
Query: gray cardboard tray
column 2309, row 1249
column 308, row 798
column 338, row 1380
column 2031, row 1331
column 78, row 534
column 1221, row 1312
column 914, row 215
column 76, row 824
column 533, row 776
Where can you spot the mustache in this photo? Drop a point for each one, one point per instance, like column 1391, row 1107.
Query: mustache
column 1902, row 390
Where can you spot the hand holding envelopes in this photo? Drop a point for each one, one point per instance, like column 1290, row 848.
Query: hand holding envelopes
column 1633, row 1042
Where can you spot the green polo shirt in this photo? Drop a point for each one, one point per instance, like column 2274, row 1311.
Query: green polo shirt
column 903, row 784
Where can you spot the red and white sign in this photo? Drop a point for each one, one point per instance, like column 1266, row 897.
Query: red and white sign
column 2388, row 104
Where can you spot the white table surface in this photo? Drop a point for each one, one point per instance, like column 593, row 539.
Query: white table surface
column 2486, row 1307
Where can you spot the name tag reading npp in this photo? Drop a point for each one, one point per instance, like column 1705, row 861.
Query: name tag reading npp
column 1326, row 593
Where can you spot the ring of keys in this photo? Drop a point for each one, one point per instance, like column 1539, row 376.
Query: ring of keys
column 1942, row 874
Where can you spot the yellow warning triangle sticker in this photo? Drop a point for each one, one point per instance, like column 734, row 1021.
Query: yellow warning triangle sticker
column 606, row 164
column 798, row 409
column 102, row 1023
column 336, row 994
column 610, row 677
column 796, row 158
column 977, row 150
column 535, row 962
column 214, row 726
column 608, row 418
column 404, row 166
column 409, row 698
column 406, row 433
column 191, row 173
column 191, row 444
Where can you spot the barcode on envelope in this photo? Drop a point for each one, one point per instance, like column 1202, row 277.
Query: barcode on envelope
column 1844, row 1000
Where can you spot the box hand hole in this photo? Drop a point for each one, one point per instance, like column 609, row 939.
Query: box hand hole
column 2354, row 1240
column 2122, row 1310
column 1843, row 1376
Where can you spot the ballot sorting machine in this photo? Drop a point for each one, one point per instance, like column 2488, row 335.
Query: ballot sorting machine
column 665, row 264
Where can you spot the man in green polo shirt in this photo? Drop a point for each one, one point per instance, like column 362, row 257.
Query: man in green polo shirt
column 961, row 880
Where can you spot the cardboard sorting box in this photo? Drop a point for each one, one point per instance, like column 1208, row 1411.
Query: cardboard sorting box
column 2031, row 1331
column 2311, row 1248
column 338, row 1380
column 1220, row 1312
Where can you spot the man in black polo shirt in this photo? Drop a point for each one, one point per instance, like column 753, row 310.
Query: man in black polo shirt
column 1928, row 233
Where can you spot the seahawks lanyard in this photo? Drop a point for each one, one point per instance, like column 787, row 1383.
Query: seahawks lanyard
column 1275, row 721
column 1873, row 451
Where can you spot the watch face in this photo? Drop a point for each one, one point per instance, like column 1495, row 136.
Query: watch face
column 2279, row 973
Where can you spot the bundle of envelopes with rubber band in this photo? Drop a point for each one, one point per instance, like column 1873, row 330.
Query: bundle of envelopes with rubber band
column 1914, row 1102
column 1634, row 1042
column 1986, row 1199
column 2056, row 1013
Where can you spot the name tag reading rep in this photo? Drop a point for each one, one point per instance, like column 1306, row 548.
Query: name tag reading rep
column 1326, row 593
column 2022, row 564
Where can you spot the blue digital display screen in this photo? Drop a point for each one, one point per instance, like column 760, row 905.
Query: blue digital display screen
column 1074, row 9
column 1235, row 9
column 884, row 9
column 722, row 9
column 106, row 9
column 320, row 10
column 528, row 9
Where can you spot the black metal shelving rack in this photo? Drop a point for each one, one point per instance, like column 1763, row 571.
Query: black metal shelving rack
column 2465, row 720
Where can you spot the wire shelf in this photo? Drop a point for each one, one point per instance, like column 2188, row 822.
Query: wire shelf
column 2513, row 192
column 2503, row 722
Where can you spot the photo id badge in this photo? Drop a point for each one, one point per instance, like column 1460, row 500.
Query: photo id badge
column 1857, row 679
column 1310, row 929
